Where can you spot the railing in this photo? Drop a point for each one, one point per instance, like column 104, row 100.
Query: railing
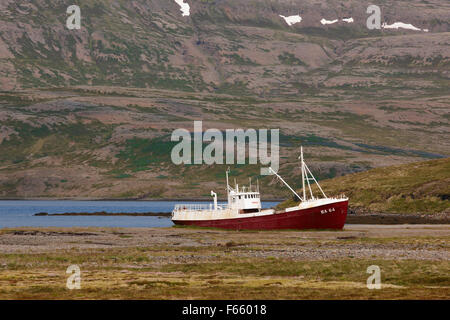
column 198, row 207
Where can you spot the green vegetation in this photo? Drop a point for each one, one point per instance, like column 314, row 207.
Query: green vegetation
column 37, row 141
column 290, row 59
column 420, row 187
column 139, row 154
column 239, row 60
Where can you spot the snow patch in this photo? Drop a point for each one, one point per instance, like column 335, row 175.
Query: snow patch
column 324, row 21
column 397, row 25
column 348, row 20
column 292, row 19
column 184, row 7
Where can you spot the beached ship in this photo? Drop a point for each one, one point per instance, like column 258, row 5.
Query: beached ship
column 243, row 210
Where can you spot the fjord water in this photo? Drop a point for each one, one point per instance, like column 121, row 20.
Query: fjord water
column 20, row 213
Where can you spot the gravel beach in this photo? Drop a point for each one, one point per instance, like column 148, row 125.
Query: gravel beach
column 160, row 263
column 354, row 240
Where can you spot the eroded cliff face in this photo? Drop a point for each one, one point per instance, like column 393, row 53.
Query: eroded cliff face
column 241, row 47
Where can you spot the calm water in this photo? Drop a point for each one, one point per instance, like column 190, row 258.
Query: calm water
column 20, row 213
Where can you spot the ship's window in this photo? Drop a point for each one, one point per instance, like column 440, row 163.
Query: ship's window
column 239, row 197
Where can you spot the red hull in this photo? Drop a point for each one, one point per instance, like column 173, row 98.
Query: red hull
column 311, row 218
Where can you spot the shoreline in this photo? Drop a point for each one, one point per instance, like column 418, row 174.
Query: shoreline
column 395, row 219
column 365, row 219
column 105, row 214
column 127, row 199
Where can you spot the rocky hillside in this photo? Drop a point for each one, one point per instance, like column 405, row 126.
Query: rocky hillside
column 88, row 113
column 224, row 46
column 421, row 187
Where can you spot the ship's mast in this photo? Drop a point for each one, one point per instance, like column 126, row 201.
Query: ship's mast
column 306, row 175
column 303, row 172
column 228, row 186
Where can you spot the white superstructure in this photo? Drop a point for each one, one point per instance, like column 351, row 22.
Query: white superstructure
column 242, row 201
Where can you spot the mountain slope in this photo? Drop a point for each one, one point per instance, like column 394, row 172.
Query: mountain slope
column 228, row 46
column 105, row 142
column 88, row 113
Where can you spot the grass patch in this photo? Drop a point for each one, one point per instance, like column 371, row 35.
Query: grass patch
column 420, row 187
